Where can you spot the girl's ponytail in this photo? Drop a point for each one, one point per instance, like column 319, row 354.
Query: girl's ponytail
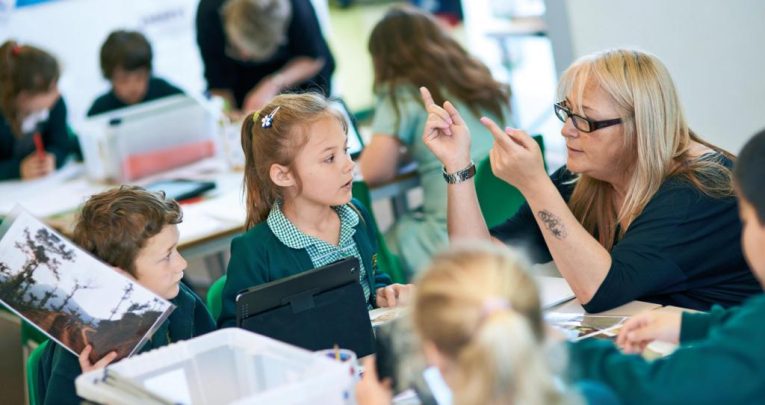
column 504, row 362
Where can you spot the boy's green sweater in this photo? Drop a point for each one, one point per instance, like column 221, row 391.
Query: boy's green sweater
column 721, row 360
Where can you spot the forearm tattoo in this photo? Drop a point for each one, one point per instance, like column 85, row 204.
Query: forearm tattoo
column 553, row 223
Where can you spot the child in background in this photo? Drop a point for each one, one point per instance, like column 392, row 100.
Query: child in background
column 477, row 313
column 409, row 49
column 30, row 104
column 721, row 358
column 126, row 63
column 300, row 215
column 136, row 231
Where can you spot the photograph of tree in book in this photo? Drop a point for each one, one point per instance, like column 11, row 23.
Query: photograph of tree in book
column 70, row 295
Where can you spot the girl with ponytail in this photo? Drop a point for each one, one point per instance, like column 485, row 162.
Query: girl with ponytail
column 477, row 314
column 33, row 130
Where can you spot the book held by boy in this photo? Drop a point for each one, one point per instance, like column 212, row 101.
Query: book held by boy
column 72, row 297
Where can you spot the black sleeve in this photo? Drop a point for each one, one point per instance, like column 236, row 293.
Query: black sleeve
column 522, row 231
column 55, row 133
column 212, row 45
column 304, row 32
column 642, row 262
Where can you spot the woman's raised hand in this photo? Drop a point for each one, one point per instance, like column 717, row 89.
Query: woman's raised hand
column 446, row 134
column 516, row 157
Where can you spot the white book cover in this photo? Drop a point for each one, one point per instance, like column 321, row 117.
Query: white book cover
column 70, row 295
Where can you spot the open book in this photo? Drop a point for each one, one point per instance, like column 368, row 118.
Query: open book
column 71, row 296
column 580, row 326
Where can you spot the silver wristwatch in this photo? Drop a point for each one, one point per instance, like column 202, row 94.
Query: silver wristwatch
column 460, row 175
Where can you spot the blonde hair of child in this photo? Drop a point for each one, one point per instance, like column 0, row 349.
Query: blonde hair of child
column 279, row 142
column 498, row 350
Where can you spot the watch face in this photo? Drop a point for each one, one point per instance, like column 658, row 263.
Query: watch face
column 460, row 176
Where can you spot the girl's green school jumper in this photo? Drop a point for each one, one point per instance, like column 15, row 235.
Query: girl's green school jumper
column 275, row 249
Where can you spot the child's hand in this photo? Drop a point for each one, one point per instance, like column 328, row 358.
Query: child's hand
column 446, row 134
column 394, row 295
column 34, row 166
column 370, row 391
column 85, row 361
column 644, row 328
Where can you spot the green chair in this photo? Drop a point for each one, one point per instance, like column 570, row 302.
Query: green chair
column 33, row 370
column 215, row 297
column 386, row 260
column 498, row 200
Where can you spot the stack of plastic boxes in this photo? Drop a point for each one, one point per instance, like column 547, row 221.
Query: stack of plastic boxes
column 230, row 366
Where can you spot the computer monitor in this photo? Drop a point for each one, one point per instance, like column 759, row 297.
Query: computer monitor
column 315, row 309
column 355, row 142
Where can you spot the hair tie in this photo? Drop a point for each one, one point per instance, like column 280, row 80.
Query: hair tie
column 267, row 121
column 16, row 50
column 493, row 305
column 255, row 117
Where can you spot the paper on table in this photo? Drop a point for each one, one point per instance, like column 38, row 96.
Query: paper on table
column 554, row 290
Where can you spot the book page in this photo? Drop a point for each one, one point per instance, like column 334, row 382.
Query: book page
column 70, row 295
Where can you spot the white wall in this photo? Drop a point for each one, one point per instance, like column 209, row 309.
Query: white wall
column 713, row 49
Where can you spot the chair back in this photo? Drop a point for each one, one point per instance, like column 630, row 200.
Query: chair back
column 215, row 297
column 33, row 371
column 499, row 200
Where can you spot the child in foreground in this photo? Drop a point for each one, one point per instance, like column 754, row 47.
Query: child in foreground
column 477, row 312
column 136, row 231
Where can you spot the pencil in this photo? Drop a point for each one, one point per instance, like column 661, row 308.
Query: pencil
column 39, row 145
column 337, row 352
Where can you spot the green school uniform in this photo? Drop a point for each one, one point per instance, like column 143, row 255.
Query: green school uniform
column 721, row 360
column 272, row 250
column 59, row 367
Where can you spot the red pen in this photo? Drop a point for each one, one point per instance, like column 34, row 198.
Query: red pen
column 39, row 145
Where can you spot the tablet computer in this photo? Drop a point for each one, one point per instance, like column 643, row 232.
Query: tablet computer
column 181, row 189
column 316, row 309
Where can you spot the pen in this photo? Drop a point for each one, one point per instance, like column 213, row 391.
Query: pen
column 39, row 145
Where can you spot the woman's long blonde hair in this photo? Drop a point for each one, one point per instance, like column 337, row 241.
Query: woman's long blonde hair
column 278, row 143
column 656, row 137
column 498, row 349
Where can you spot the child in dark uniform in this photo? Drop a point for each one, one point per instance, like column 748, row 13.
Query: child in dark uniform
column 136, row 231
column 30, row 104
column 300, row 214
column 126, row 63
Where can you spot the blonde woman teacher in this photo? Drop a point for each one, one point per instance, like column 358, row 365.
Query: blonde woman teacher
column 643, row 209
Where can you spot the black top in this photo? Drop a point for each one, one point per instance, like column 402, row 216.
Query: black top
column 55, row 138
column 684, row 249
column 157, row 88
column 304, row 38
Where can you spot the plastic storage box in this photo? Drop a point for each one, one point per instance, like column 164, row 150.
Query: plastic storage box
column 148, row 138
column 229, row 366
